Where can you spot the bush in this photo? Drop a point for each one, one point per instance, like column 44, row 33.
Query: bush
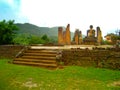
column 105, row 42
column 26, row 39
column 22, row 39
column 36, row 40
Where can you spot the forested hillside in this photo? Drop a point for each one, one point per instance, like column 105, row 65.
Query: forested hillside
column 36, row 30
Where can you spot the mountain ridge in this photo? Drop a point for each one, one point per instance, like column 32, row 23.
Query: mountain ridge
column 39, row 31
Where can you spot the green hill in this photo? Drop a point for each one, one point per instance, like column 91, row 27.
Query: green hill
column 36, row 30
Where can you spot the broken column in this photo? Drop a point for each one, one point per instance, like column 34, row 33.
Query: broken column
column 76, row 36
column 99, row 36
column 64, row 37
column 60, row 35
column 68, row 36
column 80, row 37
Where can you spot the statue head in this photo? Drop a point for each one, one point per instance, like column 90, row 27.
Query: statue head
column 68, row 25
column 91, row 26
column 98, row 28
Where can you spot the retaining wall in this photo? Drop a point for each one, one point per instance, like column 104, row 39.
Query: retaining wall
column 9, row 51
column 96, row 58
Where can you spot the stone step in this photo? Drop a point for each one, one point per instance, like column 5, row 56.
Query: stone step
column 35, row 64
column 40, row 54
column 39, row 57
column 35, row 60
column 40, row 51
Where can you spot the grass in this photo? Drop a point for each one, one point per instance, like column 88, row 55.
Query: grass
column 16, row 77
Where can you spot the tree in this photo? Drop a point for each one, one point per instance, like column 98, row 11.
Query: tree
column 113, row 38
column 22, row 39
column 7, row 31
column 27, row 39
column 117, row 32
column 45, row 38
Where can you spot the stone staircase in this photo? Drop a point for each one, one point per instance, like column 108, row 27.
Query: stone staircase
column 37, row 57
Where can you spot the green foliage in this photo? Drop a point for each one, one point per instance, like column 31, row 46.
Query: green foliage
column 16, row 77
column 45, row 38
column 26, row 39
column 22, row 39
column 36, row 30
column 7, row 31
column 53, row 39
column 114, row 37
column 39, row 31
column 36, row 40
column 105, row 42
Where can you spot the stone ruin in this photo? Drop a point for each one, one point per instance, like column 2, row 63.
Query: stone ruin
column 78, row 37
column 99, row 36
column 93, row 36
column 64, row 37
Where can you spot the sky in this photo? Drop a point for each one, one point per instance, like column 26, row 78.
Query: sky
column 80, row 14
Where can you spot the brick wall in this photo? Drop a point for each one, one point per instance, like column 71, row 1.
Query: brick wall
column 9, row 51
column 96, row 58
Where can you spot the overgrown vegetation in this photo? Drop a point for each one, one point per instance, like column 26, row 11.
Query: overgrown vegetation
column 26, row 39
column 7, row 31
column 113, row 38
column 9, row 34
column 36, row 30
column 105, row 42
column 15, row 77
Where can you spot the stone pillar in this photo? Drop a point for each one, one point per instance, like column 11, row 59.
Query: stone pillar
column 99, row 36
column 76, row 36
column 87, row 32
column 60, row 35
column 64, row 37
column 80, row 38
column 68, row 36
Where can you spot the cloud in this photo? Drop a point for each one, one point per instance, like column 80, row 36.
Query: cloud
column 13, row 4
column 79, row 13
column 82, row 11
column 10, row 10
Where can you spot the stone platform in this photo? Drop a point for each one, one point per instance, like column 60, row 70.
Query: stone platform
column 90, row 47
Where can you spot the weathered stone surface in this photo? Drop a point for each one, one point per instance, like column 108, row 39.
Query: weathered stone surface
column 60, row 35
column 64, row 37
column 9, row 51
column 68, row 36
column 76, row 36
column 91, row 32
column 95, row 58
column 90, row 39
column 80, row 38
column 99, row 36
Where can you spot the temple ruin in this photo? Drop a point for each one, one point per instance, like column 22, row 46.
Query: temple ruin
column 64, row 37
column 90, row 39
column 99, row 36
column 77, row 37
column 93, row 36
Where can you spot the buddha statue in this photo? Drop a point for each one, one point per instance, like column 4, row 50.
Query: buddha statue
column 91, row 32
